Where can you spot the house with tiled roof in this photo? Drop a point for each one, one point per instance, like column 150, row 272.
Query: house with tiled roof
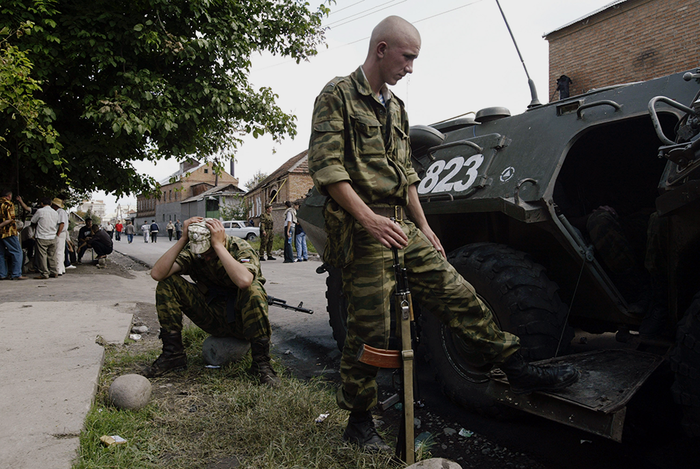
column 291, row 181
column 188, row 183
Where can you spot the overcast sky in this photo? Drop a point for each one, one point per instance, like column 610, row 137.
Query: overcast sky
column 467, row 62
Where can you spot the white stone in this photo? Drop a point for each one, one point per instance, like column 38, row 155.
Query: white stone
column 435, row 463
column 139, row 329
column 130, row 392
column 219, row 351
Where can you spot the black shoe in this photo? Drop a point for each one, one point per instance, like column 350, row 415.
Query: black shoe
column 361, row 432
column 525, row 378
column 270, row 258
column 262, row 258
column 172, row 358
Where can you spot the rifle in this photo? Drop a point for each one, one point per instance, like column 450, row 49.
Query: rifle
column 272, row 301
column 405, row 448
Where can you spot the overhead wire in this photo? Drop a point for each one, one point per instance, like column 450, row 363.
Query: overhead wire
column 367, row 37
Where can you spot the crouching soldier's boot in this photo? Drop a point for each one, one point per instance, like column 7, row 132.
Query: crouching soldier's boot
column 261, row 367
column 525, row 378
column 361, row 431
column 172, row 358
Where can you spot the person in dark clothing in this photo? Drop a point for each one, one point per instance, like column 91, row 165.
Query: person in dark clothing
column 84, row 234
column 101, row 242
column 154, row 231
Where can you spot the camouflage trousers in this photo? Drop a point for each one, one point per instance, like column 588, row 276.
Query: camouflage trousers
column 176, row 296
column 266, row 245
column 369, row 284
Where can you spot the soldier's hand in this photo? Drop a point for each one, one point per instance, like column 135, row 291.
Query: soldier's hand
column 386, row 231
column 434, row 240
column 218, row 233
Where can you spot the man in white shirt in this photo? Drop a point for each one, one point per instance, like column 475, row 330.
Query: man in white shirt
column 61, row 234
column 44, row 223
column 144, row 229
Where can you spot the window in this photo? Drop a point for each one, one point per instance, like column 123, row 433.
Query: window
column 206, row 171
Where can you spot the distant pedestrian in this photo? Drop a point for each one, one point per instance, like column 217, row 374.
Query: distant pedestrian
column 300, row 238
column 129, row 230
column 170, row 227
column 110, row 229
column 44, row 222
column 61, row 235
column 290, row 218
column 154, row 231
column 118, row 228
column 178, row 230
column 10, row 239
column 266, row 236
column 144, row 229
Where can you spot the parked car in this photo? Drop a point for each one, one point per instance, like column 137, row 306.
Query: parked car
column 241, row 229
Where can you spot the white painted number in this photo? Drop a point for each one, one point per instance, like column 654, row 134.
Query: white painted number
column 432, row 182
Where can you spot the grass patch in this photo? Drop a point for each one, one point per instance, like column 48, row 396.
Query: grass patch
column 203, row 418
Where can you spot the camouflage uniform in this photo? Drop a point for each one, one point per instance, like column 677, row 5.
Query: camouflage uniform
column 348, row 144
column 214, row 303
column 266, row 226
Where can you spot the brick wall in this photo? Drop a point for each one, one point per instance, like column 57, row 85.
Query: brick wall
column 635, row 41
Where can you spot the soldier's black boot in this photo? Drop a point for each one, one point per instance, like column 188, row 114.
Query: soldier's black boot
column 525, row 378
column 361, row 431
column 261, row 367
column 172, row 358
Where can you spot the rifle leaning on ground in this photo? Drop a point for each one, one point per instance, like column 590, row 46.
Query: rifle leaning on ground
column 272, row 301
column 405, row 448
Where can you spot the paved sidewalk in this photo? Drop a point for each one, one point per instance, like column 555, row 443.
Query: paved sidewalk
column 51, row 361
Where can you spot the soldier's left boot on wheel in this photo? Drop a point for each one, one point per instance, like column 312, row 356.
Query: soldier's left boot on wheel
column 525, row 378
column 172, row 358
column 261, row 366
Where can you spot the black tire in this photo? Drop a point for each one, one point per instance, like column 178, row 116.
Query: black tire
column 337, row 306
column 524, row 302
column 251, row 237
column 685, row 363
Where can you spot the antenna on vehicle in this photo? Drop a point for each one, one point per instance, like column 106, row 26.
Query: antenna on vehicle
column 533, row 92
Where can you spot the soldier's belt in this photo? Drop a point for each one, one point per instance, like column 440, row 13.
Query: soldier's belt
column 390, row 211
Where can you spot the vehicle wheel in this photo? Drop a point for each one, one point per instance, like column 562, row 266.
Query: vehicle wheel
column 251, row 237
column 685, row 363
column 337, row 306
column 524, row 302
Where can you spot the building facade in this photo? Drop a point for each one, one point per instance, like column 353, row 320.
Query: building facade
column 191, row 180
column 291, row 181
column 625, row 41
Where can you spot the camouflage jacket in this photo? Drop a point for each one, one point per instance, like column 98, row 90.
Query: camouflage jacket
column 212, row 273
column 266, row 224
column 355, row 138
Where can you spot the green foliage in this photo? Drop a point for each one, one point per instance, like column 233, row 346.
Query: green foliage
column 255, row 180
column 23, row 114
column 145, row 80
column 235, row 208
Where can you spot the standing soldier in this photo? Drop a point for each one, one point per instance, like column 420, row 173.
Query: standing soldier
column 359, row 157
column 266, row 233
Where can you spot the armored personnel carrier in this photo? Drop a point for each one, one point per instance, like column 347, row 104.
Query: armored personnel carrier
column 510, row 198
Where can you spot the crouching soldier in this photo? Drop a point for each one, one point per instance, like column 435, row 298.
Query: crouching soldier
column 226, row 300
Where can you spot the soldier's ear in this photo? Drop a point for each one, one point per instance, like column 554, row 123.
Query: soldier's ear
column 381, row 49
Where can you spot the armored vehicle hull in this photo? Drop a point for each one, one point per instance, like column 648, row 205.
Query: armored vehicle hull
column 579, row 214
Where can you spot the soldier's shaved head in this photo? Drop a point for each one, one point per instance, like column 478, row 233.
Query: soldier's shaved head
column 392, row 30
column 393, row 46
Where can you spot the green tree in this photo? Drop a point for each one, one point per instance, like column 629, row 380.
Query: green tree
column 145, row 80
column 255, row 180
column 22, row 113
